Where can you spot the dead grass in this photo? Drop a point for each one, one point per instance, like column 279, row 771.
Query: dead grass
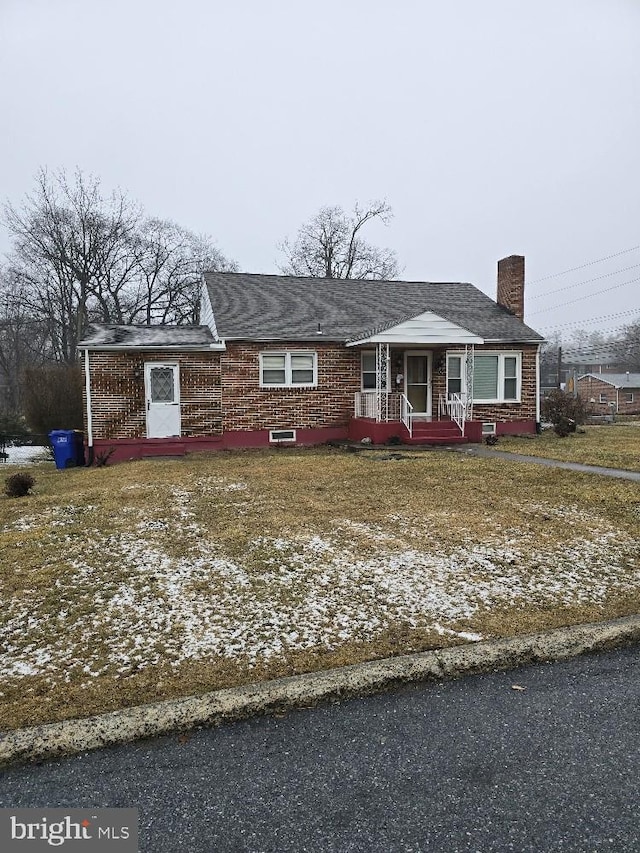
column 158, row 579
column 610, row 445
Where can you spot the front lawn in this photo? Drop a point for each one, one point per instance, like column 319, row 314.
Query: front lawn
column 609, row 445
column 161, row 578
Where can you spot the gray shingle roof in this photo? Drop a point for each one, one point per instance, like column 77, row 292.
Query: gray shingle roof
column 108, row 335
column 619, row 380
column 248, row 306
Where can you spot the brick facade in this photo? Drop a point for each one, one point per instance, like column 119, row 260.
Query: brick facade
column 603, row 398
column 118, row 397
column 247, row 406
column 220, row 392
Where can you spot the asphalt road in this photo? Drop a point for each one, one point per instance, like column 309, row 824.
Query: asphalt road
column 467, row 765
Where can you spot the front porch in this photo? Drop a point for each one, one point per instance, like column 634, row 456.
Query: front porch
column 410, row 394
column 390, row 416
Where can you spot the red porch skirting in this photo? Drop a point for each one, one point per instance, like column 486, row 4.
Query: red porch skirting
column 124, row 449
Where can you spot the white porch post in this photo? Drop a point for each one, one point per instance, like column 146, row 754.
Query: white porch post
column 469, row 357
column 383, row 367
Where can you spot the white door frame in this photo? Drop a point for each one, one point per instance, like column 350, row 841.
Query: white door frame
column 170, row 411
column 429, row 356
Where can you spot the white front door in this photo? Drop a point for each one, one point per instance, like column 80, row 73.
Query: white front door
column 162, row 391
column 417, row 372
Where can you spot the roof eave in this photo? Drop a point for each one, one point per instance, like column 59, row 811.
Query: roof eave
column 217, row 347
column 385, row 339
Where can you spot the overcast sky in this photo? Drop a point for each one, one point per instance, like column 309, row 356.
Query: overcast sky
column 492, row 127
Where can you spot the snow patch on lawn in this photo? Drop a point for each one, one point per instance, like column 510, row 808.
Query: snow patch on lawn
column 142, row 605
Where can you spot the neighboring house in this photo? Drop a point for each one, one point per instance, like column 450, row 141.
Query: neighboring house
column 607, row 393
column 304, row 361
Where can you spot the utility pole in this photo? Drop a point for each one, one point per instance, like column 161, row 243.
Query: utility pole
column 559, row 367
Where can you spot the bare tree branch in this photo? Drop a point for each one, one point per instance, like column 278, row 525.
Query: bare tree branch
column 330, row 245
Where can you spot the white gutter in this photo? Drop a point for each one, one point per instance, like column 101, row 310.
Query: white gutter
column 87, row 380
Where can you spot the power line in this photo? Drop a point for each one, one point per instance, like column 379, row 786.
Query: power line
column 586, row 296
column 629, row 313
column 586, row 281
column 582, row 266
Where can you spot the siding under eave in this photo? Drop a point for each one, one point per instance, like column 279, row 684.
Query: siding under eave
column 428, row 329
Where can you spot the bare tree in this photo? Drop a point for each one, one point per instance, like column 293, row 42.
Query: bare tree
column 23, row 342
column 80, row 256
column 330, row 245
column 627, row 347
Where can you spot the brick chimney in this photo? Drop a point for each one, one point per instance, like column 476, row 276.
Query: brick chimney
column 511, row 284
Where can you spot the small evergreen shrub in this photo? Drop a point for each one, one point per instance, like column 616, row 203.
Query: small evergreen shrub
column 18, row 485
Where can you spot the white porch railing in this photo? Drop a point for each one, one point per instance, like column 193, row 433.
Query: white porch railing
column 378, row 405
column 406, row 414
column 457, row 410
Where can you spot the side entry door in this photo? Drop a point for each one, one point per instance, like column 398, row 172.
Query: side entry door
column 162, row 392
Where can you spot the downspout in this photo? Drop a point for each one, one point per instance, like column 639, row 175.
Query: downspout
column 538, row 422
column 87, row 382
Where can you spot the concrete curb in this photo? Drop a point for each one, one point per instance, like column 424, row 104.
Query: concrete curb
column 57, row 739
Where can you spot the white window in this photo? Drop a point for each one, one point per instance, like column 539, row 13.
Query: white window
column 368, row 370
column 497, row 376
column 454, row 375
column 603, row 398
column 288, row 369
column 629, row 397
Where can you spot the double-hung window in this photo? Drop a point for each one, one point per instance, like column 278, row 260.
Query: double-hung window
column 288, row 369
column 368, row 364
column 497, row 376
column 454, row 375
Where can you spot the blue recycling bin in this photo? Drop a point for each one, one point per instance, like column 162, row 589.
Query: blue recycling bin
column 68, row 447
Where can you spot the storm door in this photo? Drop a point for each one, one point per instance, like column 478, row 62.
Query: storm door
column 162, row 391
column 418, row 382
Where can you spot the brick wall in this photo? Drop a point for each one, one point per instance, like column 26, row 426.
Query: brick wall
column 524, row 410
column 118, row 399
column 590, row 388
column 246, row 406
column 220, row 391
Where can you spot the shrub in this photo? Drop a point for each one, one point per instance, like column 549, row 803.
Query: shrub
column 563, row 410
column 103, row 456
column 18, row 485
column 13, row 430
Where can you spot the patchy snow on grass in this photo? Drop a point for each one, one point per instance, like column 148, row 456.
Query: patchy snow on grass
column 124, row 602
column 26, row 455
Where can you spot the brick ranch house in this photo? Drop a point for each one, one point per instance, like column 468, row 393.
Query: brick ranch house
column 280, row 359
column 610, row 393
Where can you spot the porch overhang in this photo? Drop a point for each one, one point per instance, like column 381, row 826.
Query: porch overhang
column 426, row 329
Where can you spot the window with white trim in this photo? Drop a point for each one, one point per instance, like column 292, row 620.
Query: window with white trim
column 454, row 375
column 368, row 370
column 288, row 369
column 497, row 376
column 602, row 398
column 628, row 397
